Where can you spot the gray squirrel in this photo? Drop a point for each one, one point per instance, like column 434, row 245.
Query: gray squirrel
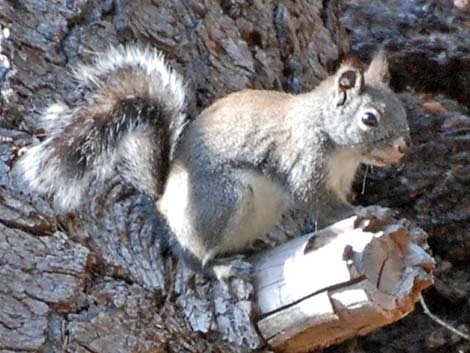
column 225, row 178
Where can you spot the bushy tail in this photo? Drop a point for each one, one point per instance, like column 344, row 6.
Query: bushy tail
column 130, row 122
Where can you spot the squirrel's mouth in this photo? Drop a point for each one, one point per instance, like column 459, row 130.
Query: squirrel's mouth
column 383, row 158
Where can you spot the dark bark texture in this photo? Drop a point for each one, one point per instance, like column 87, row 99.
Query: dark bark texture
column 429, row 50
column 98, row 281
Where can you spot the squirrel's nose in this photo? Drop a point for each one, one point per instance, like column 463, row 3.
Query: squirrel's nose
column 402, row 145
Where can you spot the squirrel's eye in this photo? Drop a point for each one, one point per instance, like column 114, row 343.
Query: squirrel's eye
column 369, row 119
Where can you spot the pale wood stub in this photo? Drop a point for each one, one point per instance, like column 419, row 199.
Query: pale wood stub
column 345, row 280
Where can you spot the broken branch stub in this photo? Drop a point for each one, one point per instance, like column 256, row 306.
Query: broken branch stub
column 348, row 279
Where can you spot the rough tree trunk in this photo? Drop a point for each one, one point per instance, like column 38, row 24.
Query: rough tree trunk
column 429, row 48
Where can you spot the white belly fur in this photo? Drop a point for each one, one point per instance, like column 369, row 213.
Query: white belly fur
column 263, row 204
column 342, row 167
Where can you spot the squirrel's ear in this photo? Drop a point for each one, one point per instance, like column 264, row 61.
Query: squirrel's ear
column 349, row 81
column 378, row 72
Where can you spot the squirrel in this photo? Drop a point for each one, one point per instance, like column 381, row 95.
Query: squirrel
column 225, row 178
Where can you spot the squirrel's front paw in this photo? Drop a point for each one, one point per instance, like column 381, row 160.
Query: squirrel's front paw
column 230, row 267
column 375, row 211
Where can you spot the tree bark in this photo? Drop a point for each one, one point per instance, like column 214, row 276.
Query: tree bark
column 427, row 43
column 96, row 280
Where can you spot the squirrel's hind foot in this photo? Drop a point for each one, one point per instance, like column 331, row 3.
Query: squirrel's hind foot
column 232, row 267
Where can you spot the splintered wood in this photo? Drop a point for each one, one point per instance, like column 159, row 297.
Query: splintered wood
column 345, row 280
